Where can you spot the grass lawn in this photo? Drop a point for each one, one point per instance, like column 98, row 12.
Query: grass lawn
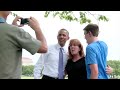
column 27, row 77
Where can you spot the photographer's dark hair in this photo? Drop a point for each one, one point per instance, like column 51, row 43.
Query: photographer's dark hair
column 93, row 28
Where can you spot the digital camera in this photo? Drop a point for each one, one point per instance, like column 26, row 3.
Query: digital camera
column 24, row 21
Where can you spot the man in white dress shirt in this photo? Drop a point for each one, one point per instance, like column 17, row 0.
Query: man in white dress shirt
column 48, row 63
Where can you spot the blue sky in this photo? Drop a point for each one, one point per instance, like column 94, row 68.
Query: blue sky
column 109, row 31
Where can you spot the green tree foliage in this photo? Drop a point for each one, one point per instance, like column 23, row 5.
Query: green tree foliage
column 81, row 18
column 115, row 64
column 27, row 70
column 13, row 14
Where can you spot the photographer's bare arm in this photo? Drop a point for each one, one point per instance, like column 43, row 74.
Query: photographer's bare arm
column 33, row 23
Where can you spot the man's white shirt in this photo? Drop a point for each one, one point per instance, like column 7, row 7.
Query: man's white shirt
column 48, row 63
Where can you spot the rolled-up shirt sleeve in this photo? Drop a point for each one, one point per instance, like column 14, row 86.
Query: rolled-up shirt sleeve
column 91, row 56
column 27, row 42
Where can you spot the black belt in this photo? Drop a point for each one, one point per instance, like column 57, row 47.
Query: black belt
column 48, row 77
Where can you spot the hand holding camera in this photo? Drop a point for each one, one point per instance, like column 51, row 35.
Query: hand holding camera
column 32, row 22
column 24, row 21
column 17, row 18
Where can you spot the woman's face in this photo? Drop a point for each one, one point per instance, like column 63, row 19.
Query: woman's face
column 74, row 49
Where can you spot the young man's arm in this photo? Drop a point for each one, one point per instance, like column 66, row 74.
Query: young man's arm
column 92, row 62
column 94, row 71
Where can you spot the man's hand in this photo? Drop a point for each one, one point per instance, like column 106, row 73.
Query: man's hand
column 109, row 69
column 33, row 23
column 16, row 20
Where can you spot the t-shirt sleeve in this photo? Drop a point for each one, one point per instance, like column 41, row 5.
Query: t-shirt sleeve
column 90, row 56
column 27, row 42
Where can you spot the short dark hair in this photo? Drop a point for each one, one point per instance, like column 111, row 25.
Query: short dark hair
column 93, row 28
column 64, row 30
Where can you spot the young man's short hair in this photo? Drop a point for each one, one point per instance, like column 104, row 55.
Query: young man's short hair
column 93, row 28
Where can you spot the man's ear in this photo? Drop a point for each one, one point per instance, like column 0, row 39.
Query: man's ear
column 68, row 38
column 90, row 34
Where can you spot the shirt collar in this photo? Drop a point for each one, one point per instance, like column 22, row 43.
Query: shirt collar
column 58, row 47
column 2, row 20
